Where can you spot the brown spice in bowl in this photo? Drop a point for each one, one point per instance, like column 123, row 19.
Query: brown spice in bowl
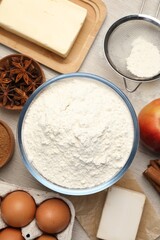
column 7, row 143
column 20, row 75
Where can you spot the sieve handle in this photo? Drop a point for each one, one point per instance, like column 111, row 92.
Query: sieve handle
column 158, row 9
column 142, row 7
column 130, row 90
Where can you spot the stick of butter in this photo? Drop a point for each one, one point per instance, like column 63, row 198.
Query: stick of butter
column 52, row 24
column 121, row 214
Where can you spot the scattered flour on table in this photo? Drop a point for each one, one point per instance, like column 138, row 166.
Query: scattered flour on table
column 78, row 133
column 144, row 59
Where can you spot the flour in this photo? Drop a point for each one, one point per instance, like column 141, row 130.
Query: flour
column 144, row 59
column 78, row 133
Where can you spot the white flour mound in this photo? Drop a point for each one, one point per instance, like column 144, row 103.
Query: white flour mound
column 144, row 59
column 78, row 133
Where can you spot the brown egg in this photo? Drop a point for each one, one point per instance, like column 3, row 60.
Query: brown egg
column 11, row 234
column 46, row 237
column 18, row 209
column 53, row 216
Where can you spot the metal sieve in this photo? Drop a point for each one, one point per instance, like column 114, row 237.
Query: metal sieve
column 120, row 36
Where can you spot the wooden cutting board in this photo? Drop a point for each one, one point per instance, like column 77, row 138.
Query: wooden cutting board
column 96, row 13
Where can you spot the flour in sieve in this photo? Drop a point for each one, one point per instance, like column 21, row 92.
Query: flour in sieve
column 78, row 133
column 144, row 59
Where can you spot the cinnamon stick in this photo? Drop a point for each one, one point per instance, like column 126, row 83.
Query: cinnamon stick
column 156, row 186
column 158, row 162
column 153, row 174
column 154, row 163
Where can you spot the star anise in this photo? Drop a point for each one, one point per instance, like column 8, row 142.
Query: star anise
column 33, row 72
column 21, row 71
column 20, row 96
column 33, row 84
column 19, row 77
column 4, row 79
column 6, row 95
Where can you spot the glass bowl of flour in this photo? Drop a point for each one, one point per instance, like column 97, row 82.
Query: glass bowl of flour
column 78, row 134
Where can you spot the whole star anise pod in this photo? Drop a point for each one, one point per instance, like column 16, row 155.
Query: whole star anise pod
column 6, row 95
column 4, row 79
column 20, row 95
column 19, row 77
column 33, row 84
column 20, row 70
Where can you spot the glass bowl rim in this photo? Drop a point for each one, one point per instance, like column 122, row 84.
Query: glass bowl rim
column 84, row 191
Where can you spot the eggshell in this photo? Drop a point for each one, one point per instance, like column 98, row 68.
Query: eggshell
column 53, row 215
column 31, row 231
column 11, row 234
column 18, row 209
column 46, row 237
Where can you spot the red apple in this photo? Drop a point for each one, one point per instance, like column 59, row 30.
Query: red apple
column 149, row 124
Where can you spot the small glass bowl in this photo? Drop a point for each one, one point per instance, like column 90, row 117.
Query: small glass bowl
column 85, row 191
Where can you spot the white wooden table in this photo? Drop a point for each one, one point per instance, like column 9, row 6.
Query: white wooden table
column 95, row 63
